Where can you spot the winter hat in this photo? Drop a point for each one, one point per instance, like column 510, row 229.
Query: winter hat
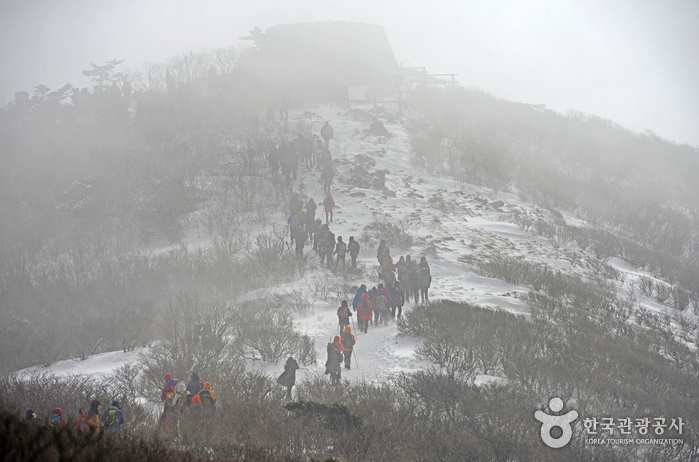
column 365, row 296
column 339, row 238
column 195, row 376
column 344, row 302
column 351, row 238
column 423, row 259
column 348, row 330
column 207, row 385
column 95, row 403
column 30, row 414
column 196, row 399
column 181, row 388
column 115, row 403
column 407, row 257
column 336, row 339
column 58, row 411
column 402, row 258
column 168, row 377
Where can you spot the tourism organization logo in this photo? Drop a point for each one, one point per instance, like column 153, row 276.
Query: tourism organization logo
column 549, row 422
column 596, row 429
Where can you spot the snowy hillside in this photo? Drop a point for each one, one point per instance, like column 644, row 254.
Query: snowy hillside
column 454, row 225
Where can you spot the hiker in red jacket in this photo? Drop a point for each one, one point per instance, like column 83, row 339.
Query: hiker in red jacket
column 364, row 309
column 329, row 203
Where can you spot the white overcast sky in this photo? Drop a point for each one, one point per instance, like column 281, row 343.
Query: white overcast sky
column 633, row 61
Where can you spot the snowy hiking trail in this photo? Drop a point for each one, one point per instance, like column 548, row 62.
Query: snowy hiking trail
column 452, row 224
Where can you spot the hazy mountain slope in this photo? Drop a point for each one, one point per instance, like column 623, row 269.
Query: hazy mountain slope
column 460, row 228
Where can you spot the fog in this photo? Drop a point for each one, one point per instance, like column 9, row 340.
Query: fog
column 630, row 61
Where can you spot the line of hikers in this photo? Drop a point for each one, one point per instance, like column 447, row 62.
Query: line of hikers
column 89, row 421
column 303, row 227
column 186, row 402
column 312, row 151
column 342, row 346
column 414, row 279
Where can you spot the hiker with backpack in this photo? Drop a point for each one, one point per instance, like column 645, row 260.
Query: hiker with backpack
column 56, row 419
column 397, row 300
column 318, row 237
column 326, row 132
column 288, row 377
column 300, row 239
column 343, row 314
column 208, row 397
column 358, row 296
column 364, row 309
column 180, row 395
column 382, row 251
column 353, row 251
column 328, row 248
column 329, row 203
column 414, row 274
column 294, row 223
column 340, row 251
column 168, row 393
column 93, row 417
column 348, row 340
column 425, row 278
column 335, row 357
column 386, row 268
column 113, row 418
column 327, row 178
column 311, row 208
column 318, row 147
column 380, row 307
column 30, row 416
column 195, row 384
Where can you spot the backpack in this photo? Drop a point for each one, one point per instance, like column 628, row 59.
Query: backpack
column 342, row 249
column 339, row 357
column 342, row 312
column 347, row 341
column 82, row 423
column 364, row 308
column 402, row 273
column 169, row 398
column 414, row 274
column 380, row 304
column 112, row 419
column 354, row 248
column 207, row 397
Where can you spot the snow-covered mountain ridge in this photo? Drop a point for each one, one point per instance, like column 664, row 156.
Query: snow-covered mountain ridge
column 460, row 228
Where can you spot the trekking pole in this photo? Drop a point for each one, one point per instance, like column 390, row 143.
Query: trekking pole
column 355, row 358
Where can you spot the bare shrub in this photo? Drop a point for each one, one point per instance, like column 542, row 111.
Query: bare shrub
column 394, row 234
column 196, row 337
column 264, row 331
